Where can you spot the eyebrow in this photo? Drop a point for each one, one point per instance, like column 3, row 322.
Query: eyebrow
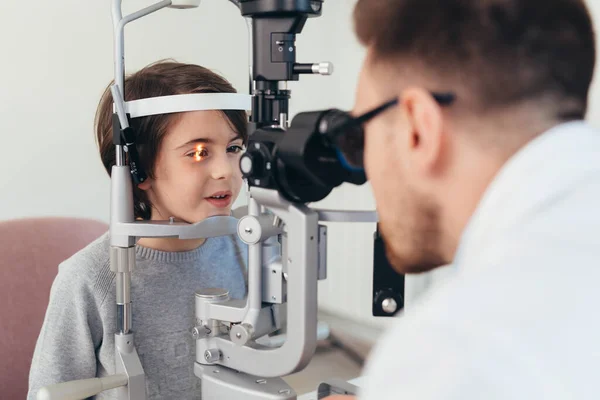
column 206, row 141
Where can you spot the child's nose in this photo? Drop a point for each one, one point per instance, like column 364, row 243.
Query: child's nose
column 222, row 167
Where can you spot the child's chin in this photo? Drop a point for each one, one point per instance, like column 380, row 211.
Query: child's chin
column 219, row 213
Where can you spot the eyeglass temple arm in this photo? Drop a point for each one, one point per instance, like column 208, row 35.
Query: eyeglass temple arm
column 442, row 99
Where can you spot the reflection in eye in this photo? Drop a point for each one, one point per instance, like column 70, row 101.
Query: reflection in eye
column 200, row 153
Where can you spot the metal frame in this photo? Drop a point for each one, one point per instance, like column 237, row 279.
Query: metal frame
column 234, row 351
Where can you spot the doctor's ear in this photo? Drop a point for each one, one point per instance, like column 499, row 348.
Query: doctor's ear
column 425, row 119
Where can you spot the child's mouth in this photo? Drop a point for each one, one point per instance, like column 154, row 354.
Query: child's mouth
column 220, row 199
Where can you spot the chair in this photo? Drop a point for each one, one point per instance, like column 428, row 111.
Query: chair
column 30, row 251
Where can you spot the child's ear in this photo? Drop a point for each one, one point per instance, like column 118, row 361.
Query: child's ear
column 147, row 184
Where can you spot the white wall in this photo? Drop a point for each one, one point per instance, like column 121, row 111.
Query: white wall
column 594, row 107
column 57, row 59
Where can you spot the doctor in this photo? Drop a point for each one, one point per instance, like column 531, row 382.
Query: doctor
column 479, row 156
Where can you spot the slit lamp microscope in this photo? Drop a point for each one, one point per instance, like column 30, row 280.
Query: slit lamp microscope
column 286, row 165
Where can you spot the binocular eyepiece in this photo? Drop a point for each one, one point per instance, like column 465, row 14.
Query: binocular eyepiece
column 307, row 161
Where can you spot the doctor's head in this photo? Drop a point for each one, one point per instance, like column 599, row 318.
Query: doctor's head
column 475, row 81
column 191, row 158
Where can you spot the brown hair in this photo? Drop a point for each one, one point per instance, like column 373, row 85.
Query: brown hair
column 504, row 51
column 163, row 78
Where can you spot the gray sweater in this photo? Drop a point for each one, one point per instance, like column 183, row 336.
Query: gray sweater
column 77, row 336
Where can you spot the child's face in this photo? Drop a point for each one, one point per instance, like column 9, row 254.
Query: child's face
column 197, row 172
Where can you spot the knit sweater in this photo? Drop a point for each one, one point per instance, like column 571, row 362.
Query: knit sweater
column 77, row 337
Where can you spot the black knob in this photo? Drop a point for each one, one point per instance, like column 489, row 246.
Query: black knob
column 388, row 302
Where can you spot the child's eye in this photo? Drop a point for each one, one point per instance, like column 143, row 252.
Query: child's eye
column 199, row 154
column 235, row 149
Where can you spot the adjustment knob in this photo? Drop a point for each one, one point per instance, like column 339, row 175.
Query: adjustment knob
column 252, row 165
column 240, row 334
column 212, row 355
column 255, row 163
column 247, row 164
column 388, row 302
column 389, row 305
column 201, row 332
column 324, row 68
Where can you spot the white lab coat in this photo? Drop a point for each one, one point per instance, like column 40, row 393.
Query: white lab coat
column 520, row 317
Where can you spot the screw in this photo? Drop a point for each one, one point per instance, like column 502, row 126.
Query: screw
column 284, row 391
column 261, row 381
column 212, row 355
column 238, row 335
column 248, row 229
column 274, row 271
column 280, row 49
column 291, row 49
column 200, row 332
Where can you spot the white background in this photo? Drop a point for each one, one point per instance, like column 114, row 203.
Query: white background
column 57, row 58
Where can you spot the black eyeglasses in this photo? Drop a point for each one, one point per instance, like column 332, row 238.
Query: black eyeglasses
column 346, row 133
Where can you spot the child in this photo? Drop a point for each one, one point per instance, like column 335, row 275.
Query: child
column 192, row 161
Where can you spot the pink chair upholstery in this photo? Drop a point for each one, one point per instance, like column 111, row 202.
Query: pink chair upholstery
column 30, row 251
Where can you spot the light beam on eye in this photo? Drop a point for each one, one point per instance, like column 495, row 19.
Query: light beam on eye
column 198, row 154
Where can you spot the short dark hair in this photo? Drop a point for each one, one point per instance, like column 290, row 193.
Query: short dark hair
column 505, row 51
column 163, row 78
